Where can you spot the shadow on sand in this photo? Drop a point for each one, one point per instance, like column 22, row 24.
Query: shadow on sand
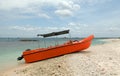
column 82, row 52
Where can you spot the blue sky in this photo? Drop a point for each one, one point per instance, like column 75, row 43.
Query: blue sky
column 27, row 18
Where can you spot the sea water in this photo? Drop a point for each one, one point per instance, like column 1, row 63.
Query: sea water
column 11, row 48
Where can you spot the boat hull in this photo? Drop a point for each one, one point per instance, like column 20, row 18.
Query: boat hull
column 41, row 54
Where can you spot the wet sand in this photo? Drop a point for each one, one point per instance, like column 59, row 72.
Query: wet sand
column 98, row 60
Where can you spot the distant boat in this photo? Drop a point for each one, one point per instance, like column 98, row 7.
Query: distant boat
column 25, row 40
column 53, row 51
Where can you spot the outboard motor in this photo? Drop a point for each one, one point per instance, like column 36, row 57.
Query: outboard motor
column 20, row 58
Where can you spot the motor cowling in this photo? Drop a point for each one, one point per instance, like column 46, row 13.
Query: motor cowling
column 20, row 58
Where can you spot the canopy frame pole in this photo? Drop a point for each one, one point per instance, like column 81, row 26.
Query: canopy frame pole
column 56, row 41
column 69, row 36
column 38, row 42
column 44, row 42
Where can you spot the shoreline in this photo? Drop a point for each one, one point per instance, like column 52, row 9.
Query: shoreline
column 102, row 59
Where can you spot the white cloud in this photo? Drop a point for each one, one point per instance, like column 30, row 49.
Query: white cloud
column 24, row 28
column 23, row 9
column 67, row 8
column 44, row 16
column 30, row 28
column 78, row 25
column 76, row 7
column 76, row 29
column 71, row 24
column 91, row 2
column 114, row 29
column 34, row 7
column 64, row 13
column 12, row 4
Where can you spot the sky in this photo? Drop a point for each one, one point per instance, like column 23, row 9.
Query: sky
column 27, row 18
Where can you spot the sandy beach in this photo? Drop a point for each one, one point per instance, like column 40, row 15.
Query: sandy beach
column 98, row 60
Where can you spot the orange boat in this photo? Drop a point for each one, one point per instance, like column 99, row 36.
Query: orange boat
column 49, row 52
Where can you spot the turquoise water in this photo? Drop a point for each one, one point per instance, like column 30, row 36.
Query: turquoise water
column 11, row 48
